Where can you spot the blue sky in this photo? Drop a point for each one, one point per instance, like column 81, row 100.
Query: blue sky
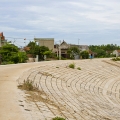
column 89, row 22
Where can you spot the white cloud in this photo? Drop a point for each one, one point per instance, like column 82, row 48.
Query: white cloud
column 88, row 20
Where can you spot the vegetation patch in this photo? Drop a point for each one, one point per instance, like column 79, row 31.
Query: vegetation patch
column 79, row 68
column 116, row 59
column 72, row 65
column 28, row 85
column 10, row 54
column 58, row 118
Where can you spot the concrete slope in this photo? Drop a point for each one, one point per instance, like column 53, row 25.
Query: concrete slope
column 92, row 93
column 9, row 93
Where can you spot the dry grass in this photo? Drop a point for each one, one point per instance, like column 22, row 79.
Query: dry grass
column 28, row 85
column 33, row 94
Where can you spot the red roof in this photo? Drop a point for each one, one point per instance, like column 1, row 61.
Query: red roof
column 26, row 48
column 118, row 51
column 2, row 37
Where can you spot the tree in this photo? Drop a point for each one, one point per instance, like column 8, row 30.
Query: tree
column 38, row 50
column 42, row 49
column 32, row 46
column 84, row 54
column 48, row 53
column 103, row 50
column 10, row 54
column 100, row 53
column 73, row 51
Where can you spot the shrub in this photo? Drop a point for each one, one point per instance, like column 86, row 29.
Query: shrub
column 58, row 118
column 72, row 65
column 84, row 54
column 5, row 63
column 79, row 68
column 116, row 59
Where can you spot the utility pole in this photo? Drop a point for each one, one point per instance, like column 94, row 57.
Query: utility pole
column 59, row 50
column 59, row 53
column 78, row 43
column 25, row 41
column 79, row 47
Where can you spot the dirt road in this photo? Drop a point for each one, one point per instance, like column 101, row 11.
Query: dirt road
column 9, row 106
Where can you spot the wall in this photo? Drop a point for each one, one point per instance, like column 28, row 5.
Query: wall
column 116, row 53
column 48, row 42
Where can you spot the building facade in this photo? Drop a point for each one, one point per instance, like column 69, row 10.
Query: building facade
column 48, row 42
column 61, row 50
column 116, row 52
column 2, row 39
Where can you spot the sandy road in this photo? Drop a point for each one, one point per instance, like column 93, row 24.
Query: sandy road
column 9, row 106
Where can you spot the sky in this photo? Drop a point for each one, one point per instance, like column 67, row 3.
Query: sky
column 84, row 22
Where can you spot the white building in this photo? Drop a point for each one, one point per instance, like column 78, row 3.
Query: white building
column 116, row 52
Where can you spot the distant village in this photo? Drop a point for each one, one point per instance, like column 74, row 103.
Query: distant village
column 62, row 47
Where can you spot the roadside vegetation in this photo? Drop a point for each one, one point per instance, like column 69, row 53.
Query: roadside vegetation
column 10, row 54
column 43, row 52
column 72, row 65
column 28, row 86
column 58, row 118
column 116, row 59
column 104, row 51
column 79, row 68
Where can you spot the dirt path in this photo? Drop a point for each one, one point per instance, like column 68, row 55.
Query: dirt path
column 9, row 106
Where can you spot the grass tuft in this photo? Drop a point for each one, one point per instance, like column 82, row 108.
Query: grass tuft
column 58, row 118
column 72, row 65
column 79, row 68
column 28, row 85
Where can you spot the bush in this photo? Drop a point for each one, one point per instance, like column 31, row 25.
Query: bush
column 72, row 65
column 5, row 63
column 14, row 58
column 116, row 59
column 58, row 118
column 84, row 54
column 79, row 68
column 62, row 58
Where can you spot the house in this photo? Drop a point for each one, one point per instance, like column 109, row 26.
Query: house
column 2, row 39
column 48, row 42
column 61, row 50
column 116, row 52
column 64, row 47
column 91, row 54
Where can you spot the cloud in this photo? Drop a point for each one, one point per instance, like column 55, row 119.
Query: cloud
column 91, row 21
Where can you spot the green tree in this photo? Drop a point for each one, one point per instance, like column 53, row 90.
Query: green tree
column 10, row 54
column 38, row 50
column 73, row 51
column 103, row 50
column 33, row 47
column 43, row 50
column 100, row 53
column 48, row 53
column 84, row 54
